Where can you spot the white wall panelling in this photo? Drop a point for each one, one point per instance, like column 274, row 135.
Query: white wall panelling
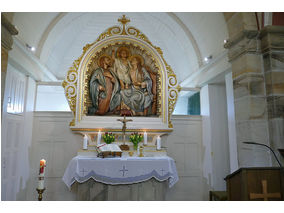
column 184, row 146
column 16, row 133
column 54, row 141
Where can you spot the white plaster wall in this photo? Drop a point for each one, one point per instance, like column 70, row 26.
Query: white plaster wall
column 181, row 106
column 54, row 141
column 51, row 98
column 26, row 23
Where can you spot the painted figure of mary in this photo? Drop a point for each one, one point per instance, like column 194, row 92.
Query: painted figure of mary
column 139, row 96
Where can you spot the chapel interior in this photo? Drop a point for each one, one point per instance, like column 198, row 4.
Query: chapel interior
column 229, row 73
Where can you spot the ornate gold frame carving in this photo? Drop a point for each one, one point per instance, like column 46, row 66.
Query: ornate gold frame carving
column 71, row 81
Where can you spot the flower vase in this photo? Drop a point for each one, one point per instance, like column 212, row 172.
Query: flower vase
column 135, row 146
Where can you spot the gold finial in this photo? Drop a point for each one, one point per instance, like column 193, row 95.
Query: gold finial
column 124, row 21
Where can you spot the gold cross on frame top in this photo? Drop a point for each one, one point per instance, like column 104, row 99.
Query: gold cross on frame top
column 124, row 21
column 265, row 195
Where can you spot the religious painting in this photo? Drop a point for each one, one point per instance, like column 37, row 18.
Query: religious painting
column 122, row 81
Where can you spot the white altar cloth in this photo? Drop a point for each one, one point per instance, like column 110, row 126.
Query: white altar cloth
column 124, row 170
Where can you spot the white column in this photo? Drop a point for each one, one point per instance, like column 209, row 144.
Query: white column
column 206, row 135
column 231, row 123
column 215, row 135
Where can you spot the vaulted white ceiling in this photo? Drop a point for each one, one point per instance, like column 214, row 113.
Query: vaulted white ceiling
column 185, row 38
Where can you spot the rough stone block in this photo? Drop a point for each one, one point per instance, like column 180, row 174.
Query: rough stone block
column 256, row 131
column 249, row 21
column 273, row 61
column 228, row 15
column 241, row 21
column 276, row 129
column 274, row 83
column 235, row 24
column 275, row 106
column 272, row 40
column 250, row 108
column 248, row 84
column 276, row 132
column 247, row 63
column 244, row 45
column 252, row 155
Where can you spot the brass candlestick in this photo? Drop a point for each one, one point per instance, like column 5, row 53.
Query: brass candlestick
column 40, row 192
column 141, row 151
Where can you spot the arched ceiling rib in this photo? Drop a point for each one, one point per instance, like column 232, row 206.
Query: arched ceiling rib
column 47, row 31
column 190, row 36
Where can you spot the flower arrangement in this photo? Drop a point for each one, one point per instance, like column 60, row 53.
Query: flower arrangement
column 108, row 137
column 135, row 138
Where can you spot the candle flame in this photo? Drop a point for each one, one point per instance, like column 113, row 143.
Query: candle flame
column 42, row 162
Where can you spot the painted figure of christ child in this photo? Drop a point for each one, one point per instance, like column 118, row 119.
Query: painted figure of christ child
column 121, row 66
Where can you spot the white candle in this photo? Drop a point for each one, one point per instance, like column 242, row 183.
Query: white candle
column 145, row 138
column 158, row 143
column 85, row 144
column 99, row 138
column 42, row 166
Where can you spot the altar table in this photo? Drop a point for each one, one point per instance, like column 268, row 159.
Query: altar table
column 120, row 170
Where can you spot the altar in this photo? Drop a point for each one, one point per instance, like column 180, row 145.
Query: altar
column 121, row 77
column 125, row 178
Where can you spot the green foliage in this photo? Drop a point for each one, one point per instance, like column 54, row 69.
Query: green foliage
column 108, row 137
column 135, row 138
